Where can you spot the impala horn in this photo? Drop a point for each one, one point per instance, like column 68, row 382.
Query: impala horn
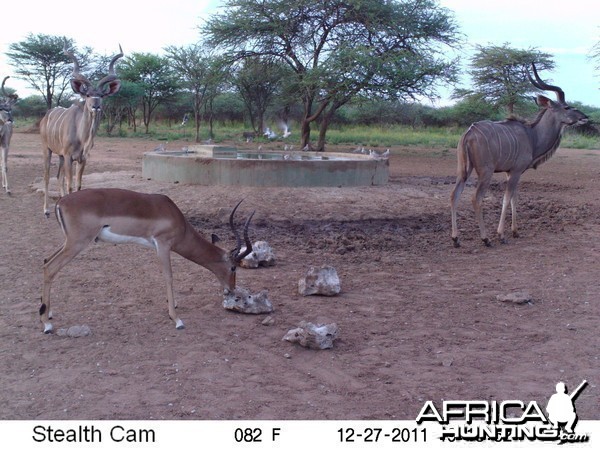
column 237, row 256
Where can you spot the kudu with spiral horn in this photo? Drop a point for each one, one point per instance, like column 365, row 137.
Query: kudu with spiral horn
column 511, row 146
column 69, row 132
column 6, row 128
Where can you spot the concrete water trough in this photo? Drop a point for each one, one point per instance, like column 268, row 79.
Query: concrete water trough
column 227, row 166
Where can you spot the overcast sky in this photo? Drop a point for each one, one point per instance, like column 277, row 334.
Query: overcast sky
column 565, row 29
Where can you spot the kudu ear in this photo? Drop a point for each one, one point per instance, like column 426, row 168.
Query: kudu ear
column 543, row 101
column 215, row 238
column 113, row 88
column 79, row 86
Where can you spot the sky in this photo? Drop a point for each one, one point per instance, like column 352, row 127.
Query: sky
column 567, row 30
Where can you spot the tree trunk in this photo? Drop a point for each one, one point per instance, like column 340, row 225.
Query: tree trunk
column 305, row 134
column 325, row 121
column 197, row 124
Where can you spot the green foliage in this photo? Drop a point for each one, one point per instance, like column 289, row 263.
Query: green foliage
column 339, row 49
column 156, row 79
column 30, row 107
column 499, row 74
column 39, row 59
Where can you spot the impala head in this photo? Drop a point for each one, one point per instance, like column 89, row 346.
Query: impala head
column 93, row 95
column 226, row 272
column 6, row 103
column 565, row 113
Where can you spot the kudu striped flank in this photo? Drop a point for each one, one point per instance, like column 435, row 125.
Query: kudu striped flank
column 511, row 146
column 69, row 132
column 6, row 126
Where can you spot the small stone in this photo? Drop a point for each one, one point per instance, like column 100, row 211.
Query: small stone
column 518, row 298
column 75, row 331
column 268, row 321
column 319, row 337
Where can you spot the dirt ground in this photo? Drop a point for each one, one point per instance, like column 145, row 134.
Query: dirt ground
column 419, row 319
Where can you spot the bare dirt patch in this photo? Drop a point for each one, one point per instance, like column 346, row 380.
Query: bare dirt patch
column 418, row 319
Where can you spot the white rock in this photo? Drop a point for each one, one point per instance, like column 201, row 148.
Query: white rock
column 75, row 331
column 261, row 256
column 241, row 300
column 516, row 297
column 320, row 281
column 313, row 336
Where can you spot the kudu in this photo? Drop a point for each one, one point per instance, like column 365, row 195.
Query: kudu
column 69, row 132
column 6, row 124
column 511, row 146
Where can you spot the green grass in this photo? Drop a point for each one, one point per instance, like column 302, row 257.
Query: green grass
column 390, row 136
column 374, row 136
column 572, row 140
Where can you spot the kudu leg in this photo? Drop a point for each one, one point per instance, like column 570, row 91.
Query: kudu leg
column 482, row 186
column 79, row 173
column 510, row 197
column 454, row 197
column 513, row 208
column 68, row 176
column 5, row 169
column 47, row 158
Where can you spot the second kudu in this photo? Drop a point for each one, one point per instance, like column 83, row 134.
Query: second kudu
column 6, row 126
column 69, row 132
column 511, row 146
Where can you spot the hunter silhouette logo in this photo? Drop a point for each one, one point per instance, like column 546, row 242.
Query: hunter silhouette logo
column 561, row 407
column 509, row 420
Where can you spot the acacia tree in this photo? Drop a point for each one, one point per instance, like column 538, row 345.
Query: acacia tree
column 339, row 49
column 499, row 74
column 156, row 79
column 195, row 66
column 40, row 61
column 123, row 105
column 594, row 55
column 257, row 81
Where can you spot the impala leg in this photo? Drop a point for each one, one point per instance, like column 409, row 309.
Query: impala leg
column 52, row 266
column 47, row 154
column 454, row 197
column 509, row 198
column 482, row 186
column 5, row 169
column 164, row 257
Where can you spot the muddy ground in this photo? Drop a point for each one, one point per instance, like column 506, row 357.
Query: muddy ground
column 419, row 319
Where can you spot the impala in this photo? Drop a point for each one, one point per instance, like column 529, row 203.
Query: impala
column 510, row 146
column 121, row 216
column 6, row 124
column 69, row 132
